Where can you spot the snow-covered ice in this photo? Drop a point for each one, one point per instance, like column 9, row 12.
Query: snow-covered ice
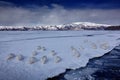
column 55, row 47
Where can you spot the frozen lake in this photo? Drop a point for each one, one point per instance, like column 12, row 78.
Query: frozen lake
column 62, row 49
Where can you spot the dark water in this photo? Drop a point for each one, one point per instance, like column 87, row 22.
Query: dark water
column 106, row 67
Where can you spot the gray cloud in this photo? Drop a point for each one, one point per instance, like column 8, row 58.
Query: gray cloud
column 56, row 15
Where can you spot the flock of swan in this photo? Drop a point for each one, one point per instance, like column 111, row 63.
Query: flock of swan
column 33, row 59
column 44, row 59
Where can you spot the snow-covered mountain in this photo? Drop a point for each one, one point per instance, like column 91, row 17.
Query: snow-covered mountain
column 86, row 25
column 72, row 26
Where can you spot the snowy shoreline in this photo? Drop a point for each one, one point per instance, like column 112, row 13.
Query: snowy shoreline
column 74, row 52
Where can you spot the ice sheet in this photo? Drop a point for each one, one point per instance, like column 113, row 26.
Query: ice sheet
column 87, row 43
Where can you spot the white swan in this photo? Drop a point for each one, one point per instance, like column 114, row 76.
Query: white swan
column 53, row 53
column 19, row 57
column 57, row 59
column 10, row 56
column 39, row 48
column 44, row 59
column 43, row 49
column 104, row 46
column 32, row 60
column 76, row 53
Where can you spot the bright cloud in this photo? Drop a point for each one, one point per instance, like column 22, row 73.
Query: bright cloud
column 55, row 15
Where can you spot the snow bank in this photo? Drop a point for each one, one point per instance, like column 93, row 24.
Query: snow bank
column 51, row 55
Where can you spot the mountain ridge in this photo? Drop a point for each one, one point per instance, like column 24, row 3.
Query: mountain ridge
column 72, row 26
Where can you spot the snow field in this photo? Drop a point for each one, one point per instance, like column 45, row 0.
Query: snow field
column 38, row 59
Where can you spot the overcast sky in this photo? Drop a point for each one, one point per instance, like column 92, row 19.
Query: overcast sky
column 53, row 12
